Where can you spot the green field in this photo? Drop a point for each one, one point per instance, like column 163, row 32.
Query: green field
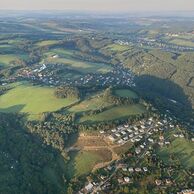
column 82, row 162
column 61, row 52
column 182, row 42
column 79, row 65
column 6, row 59
column 46, row 43
column 93, row 103
column 125, row 93
column 182, row 149
column 32, row 100
column 116, row 112
column 117, row 47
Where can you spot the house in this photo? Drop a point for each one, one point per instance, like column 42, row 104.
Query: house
column 138, row 169
column 150, row 140
column 124, row 169
column 120, row 141
column 137, row 150
column 120, row 180
column 142, row 146
column 161, row 138
column 161, row 143
column 158, row 182
column 127, row 179
column 123, row 132
column 145, row 169
column 125, row 138
column 175, row 135
column 111, row 138
column 89, row 187
column 131, row 135
column 168, row 181
column 118, row 135
column 131, row 169
column 129, row 130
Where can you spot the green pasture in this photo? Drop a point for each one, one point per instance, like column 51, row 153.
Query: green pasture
column 33, row 100
column 116, row 112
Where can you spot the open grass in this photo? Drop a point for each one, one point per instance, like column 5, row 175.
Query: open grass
column 123, row 148
column 82, row 162
column 125, row 93
column 182, row 42
column 182, row 149
column 46, row 42
column 82, row 66
column 6, row 59
column 32, row 100
column 117, row 47
column 116, row 112
column 93, row 103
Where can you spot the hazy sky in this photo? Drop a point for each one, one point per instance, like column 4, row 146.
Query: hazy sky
column 97, row 5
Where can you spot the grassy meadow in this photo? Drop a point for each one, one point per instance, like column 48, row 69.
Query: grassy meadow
column 116, row 112
column 182, row 42
column 125, row 93
column 82, row 162
column 118, row 48
column 30, row 99
column 182, row 149
column 47, row 43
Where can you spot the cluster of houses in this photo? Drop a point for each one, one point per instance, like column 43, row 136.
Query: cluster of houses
column 144, row 132
column 121, row 42
column 45, row 74
column 141, row 131
column 162, row 44
column 157, row 43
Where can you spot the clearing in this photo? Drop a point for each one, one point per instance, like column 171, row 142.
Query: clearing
column 34, row 100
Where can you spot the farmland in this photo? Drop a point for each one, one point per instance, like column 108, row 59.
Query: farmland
column 32, row 100
column 5, row 60
column 116, row 112
column 65, row 57
column 46, row 43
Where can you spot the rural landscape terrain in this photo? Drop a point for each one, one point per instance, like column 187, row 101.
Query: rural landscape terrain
column 96, row 104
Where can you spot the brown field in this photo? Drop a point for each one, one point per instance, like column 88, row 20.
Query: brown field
column 99, row 145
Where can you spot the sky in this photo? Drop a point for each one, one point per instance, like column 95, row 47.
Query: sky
column 99, row 5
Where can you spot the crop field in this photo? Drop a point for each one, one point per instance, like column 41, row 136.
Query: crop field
column 116, row 112
column 32, row 100
column 182, row 150
column 125, row 93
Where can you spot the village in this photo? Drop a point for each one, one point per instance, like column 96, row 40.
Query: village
column 45, row 74
column 144, row 135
